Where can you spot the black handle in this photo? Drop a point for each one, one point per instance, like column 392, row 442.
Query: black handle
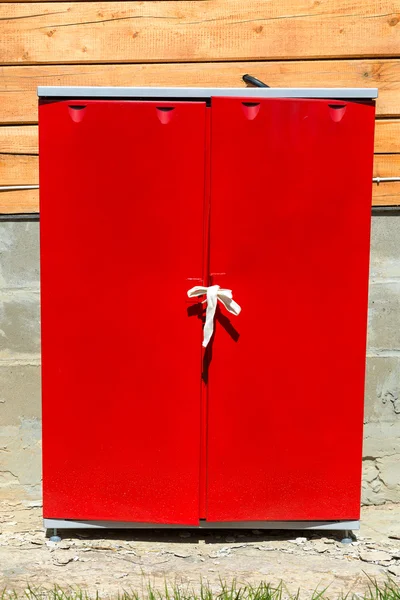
column 254, row 81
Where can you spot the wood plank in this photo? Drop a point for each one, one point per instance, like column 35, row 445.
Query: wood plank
column 387, row 135
column 18, row 169
column 387, row 165
column 23, row 139
column 197, row 30
column 384, row 194
column 18, row 85
column 21, row 201
column 19, row 139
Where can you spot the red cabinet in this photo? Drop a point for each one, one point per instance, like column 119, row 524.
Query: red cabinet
column 142, row 199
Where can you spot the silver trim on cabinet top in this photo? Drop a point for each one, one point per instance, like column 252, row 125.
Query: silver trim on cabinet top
column 299, row 525
column 191, row 92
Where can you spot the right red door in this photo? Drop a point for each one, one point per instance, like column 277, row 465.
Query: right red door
column 290, row 219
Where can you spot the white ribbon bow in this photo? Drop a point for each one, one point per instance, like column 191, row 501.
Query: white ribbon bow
column 214, row 293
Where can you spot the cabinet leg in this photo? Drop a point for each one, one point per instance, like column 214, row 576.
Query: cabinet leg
column 55, row 537
column 346, row 539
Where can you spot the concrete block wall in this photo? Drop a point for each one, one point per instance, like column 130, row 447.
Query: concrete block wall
column 20, row 425
column 381, row 464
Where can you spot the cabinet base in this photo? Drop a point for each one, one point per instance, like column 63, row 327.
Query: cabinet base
column 300, row 525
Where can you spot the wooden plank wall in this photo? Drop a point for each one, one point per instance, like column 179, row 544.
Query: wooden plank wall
column 314, row 43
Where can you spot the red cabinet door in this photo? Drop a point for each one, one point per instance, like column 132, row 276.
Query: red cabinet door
column 122, row 195
column 290, row 219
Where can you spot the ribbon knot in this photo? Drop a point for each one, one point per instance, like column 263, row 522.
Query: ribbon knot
column 214, row 293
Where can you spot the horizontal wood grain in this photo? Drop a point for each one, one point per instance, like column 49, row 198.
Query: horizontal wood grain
column 19, row 139
column 19, row 169
column 197, row 30
column 18, row 85
column 23, row 139
column 387, row 135
column 26, row 201
column 387, row 165
column 384, row 194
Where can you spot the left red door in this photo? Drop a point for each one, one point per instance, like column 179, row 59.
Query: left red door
column 122, row 198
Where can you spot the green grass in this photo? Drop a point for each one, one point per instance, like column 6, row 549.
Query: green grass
column 388, row 590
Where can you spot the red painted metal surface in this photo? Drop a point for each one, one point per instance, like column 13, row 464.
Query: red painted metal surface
column 129, row 432
column 202, row 309
column 121, row 355
column 290, row 220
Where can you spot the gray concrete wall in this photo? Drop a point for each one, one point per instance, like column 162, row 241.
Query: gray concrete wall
column 20, row 434
column 20, row 442
column 381, row 467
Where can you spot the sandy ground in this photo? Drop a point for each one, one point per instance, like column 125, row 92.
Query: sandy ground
column 111, row 561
